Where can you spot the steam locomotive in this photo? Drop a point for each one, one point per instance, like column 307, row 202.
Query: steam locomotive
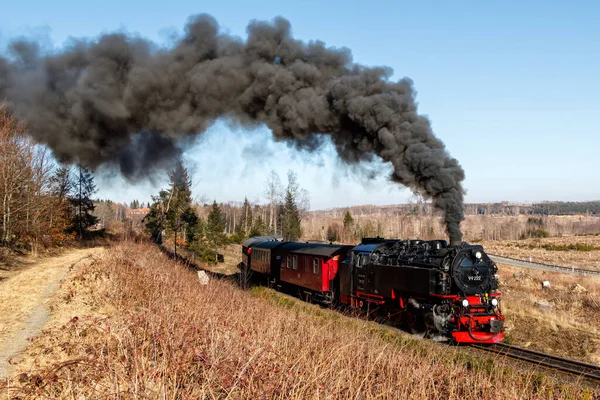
column 445, row 292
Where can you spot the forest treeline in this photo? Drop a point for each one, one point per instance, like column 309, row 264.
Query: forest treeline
column 175, row 219
column 42, row 203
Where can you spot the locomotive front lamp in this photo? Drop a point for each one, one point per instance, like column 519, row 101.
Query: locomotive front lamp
column 478, row 255
column 465, row 303
column 495, row 302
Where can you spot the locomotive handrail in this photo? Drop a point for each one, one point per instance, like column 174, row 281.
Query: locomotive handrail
column 549, row 267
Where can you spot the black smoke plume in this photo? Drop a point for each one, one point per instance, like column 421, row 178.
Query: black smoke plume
column 124, row 100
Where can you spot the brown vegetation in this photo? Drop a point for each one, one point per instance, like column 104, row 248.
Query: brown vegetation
column 168, row 336
column 30, row 214
column 561, row 320
column 570, row 251
column 397, row 222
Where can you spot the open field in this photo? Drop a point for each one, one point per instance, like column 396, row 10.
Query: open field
column 144, row 327
column 566, row 319
column 571, row 251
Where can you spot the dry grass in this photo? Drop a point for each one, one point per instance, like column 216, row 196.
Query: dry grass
column 169, row 337
column 27, row 289
column 571, row 328
column 534, row 248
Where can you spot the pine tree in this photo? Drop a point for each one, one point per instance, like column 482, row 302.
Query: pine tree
column 348, row 220
column 172, row 210
column 82, row 203
column 292, row 230
column 155, row 220
column 215, row 227
column 348, row 226
column 180, row 216
column 259, row 227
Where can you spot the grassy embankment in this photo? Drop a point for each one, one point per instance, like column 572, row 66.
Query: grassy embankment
column 135, row 324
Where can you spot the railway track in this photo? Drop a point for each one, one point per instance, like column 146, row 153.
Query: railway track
column 556, row 363
column 545, row 267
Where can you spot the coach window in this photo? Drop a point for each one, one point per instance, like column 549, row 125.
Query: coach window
column 295, row 265
column 316, row 265
column 288, row 262
column 306, row 264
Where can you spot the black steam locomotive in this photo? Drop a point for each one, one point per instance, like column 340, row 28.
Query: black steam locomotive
column 444, row 291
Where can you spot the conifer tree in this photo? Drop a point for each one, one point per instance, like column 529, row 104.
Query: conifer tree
column 215, row 227
column 180, row 216
column 348, row 225
column 82, row 203
column 292, row 230
column 172, row 210
column 259, row 227
column 348, row 220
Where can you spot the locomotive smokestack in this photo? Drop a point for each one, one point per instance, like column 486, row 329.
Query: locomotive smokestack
column 125, row 101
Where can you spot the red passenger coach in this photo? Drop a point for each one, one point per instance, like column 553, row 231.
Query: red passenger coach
column 263, row 258
column 311, row 266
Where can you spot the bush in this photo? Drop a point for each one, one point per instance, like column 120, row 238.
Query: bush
column 572, row 246
column 535, row 233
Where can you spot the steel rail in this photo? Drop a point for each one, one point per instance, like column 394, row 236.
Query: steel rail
column 546, row 267
column 579, row 368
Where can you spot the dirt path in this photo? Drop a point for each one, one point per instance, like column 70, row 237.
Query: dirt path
column 24, row 301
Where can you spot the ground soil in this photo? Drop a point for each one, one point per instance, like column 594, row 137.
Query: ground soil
column 27, row 289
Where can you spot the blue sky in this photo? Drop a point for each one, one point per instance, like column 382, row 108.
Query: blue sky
column 511, row 87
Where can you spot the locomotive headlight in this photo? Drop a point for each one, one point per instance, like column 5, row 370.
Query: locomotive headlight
column 465, row 303
column 494, row 302
column 478, row 255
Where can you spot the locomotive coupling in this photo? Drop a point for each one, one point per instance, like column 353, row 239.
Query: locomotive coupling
column 496, row 325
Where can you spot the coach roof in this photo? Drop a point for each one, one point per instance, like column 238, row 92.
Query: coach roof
column 259, row 239
column 266, row 245
column 317, row 249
